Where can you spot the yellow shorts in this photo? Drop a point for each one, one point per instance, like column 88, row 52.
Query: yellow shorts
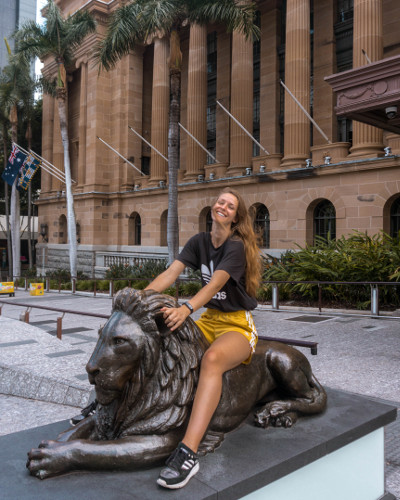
column 214, row 323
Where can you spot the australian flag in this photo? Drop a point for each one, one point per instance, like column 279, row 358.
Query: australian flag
column 29, row 169
column 14, row 165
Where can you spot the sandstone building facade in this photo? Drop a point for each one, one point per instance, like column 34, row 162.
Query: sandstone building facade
column 309, row 183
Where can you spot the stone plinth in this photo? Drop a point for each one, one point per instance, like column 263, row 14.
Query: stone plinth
column 338, row 454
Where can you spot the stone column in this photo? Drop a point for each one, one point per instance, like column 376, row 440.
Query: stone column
column 241, row 146
column 159, row 111
column 367, row 36
column 47, row 139
column 58, row 151
column 82, row 63
column 196, row 102
column 269, row 80
column 324, row 64
column 297, row 79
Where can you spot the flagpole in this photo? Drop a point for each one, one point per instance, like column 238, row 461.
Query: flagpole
column 116, row 152
column 197, row 142
column 148, row 143
column 52, row 173
column 306, row 113
column 60, row 172
column 244, row 130
column 46, row 168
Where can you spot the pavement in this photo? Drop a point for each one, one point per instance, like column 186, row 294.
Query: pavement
column 43, row 379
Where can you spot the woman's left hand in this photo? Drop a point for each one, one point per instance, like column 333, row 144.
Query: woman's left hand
column 175, row 316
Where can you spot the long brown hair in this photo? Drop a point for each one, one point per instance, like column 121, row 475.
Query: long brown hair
column 244, row 230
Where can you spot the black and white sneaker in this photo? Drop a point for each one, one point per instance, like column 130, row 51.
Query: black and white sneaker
column 86, row 412
column 180, row 467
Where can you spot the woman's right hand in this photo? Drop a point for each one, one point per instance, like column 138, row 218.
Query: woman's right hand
column 175, row 316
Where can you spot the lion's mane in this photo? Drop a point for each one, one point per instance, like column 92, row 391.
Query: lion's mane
column 160, row 394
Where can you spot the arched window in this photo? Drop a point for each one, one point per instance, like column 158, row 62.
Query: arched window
column 205, row 220
column 62, row 230
column 395, row 218
column 325, row 220
column 262, row 224
column 135, row 229
column 163, row 229
column 208, row 221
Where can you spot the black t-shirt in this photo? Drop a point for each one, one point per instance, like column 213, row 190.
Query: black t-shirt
column 199, row 253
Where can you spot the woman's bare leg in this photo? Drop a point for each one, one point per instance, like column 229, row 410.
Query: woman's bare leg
column 227, row 352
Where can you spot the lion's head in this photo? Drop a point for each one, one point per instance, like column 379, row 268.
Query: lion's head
column 144, row 374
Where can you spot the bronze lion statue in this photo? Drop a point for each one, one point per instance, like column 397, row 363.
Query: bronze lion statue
column 145, row 378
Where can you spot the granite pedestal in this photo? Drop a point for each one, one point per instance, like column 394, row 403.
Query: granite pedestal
column 339, row 454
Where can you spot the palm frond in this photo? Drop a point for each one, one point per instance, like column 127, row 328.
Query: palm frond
column 33, row 41
column 123, row 33
column 235, row 16
column 78, row 27
column 48, row 86
column 160, row 16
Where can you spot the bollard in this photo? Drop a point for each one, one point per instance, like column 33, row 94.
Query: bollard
column 319, row 297
column 73, row 285
column 374, row 300
column 111, row 294
column 47, row 284
column 275, row 297
column 26, row 284
column 24, row 316
column 59, row 326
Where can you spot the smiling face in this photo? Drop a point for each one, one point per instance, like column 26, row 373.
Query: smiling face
column 225, row 209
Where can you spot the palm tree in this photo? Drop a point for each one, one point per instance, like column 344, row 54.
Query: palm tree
column 28, row 108
column 58, row 38
column 134, row 23
column 5, row 124
column 15, row 79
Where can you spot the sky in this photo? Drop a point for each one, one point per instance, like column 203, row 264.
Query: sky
column 39, row 5
column 39, row 19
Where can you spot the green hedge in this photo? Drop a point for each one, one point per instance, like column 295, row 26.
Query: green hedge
column 357, row 258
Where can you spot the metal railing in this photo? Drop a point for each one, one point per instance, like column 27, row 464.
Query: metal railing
column 25, row 315
column 275, row 299
column 375, row 311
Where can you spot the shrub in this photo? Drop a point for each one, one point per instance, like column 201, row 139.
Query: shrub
column 188, row 289
column 85, row 285
column 357, row 258
column 120, row 284
column 30, row 273
column 264, row 293
column 149, row 269
column 103, row 285
column 170, row 291
column 139, row 284
column 59, row 274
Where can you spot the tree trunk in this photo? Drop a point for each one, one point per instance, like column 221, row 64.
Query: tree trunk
column 71, row 224
column 7, row 206
column 175, row 66
column 15, row 210
column 173, row 165
column 15, row 231
column 30, row 261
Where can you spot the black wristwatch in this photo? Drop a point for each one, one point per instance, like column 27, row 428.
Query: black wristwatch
column 189, row 306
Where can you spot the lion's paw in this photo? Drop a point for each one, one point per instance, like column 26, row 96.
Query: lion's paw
column 211, row 442
column 276, row 414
